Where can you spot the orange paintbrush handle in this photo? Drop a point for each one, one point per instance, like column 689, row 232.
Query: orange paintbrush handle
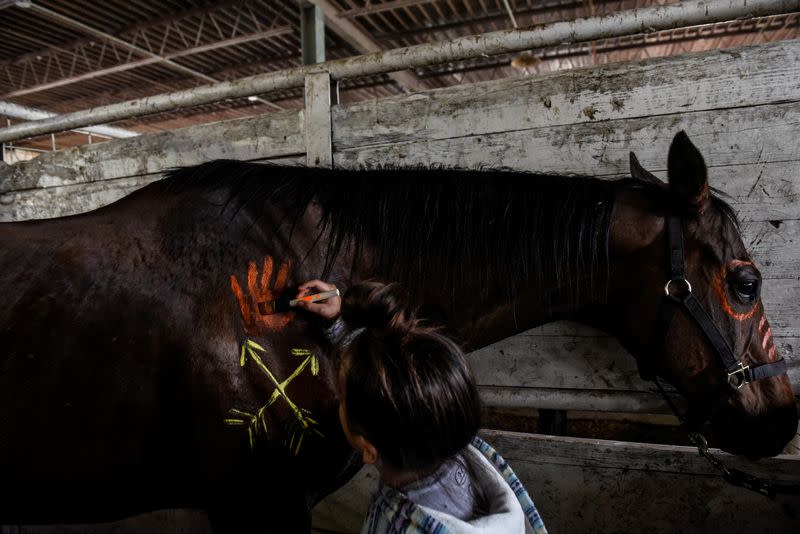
column 315, row 297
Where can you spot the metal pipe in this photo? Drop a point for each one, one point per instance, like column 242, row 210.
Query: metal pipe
column 501, row 42
column 10, row 109
column 15, row 3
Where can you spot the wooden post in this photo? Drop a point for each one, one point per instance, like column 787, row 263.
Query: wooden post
column 317, row 120
column 319, row 89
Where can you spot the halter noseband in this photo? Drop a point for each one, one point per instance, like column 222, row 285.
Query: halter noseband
column 678, row 293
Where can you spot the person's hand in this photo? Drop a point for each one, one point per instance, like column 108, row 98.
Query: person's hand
column 328, row 308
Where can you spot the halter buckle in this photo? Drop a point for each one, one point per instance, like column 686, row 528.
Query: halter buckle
column 738, row 377
column 677, row 280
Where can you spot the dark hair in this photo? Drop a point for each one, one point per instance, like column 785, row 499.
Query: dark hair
column 408, row 389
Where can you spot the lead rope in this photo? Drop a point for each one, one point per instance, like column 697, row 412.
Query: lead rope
column 733, row 476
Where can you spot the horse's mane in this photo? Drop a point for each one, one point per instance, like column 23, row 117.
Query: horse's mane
column 492, row 226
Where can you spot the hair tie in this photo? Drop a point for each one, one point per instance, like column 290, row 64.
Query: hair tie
column 352, row 335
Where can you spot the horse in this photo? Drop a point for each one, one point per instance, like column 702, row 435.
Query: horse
column 149, row 361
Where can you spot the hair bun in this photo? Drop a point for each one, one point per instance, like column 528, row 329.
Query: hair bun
column 374, row 305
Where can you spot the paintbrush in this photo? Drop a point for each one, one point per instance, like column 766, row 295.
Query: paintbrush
column 282, row 305
column 315, row 297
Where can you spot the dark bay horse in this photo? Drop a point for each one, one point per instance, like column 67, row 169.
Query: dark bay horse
column 142, row 366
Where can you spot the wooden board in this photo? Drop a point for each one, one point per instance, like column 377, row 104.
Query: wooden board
column 252, row 138
column 58, row 201
column 751, row 76
column 751, row 145
column 597, row 486
column 571, row 373
column 48, row 202
column 775, row 247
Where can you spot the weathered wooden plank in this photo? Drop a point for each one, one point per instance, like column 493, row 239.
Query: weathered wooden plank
column 768, row 191
column 599, row 500
column 530, row 360
column 781, row 298
column 579, row 400
column 765, row 191
column 68, row 199
column 252, row 138
column 765, row 184
column 585, row 485
column 733, row 137
column 575, row 330
column 775, row 247
column 650, row 457
column 717, row 79
column 576, row 373
column 76, row 198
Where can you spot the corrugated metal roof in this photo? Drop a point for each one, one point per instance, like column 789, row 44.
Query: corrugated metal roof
column 54, row 59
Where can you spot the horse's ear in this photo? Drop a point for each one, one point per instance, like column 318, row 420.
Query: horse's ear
column 688, row 176
column 640, row 173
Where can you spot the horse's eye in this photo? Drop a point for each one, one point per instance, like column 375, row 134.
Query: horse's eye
column 746, row 290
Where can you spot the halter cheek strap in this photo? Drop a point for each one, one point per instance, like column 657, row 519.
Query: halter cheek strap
column 678, row 294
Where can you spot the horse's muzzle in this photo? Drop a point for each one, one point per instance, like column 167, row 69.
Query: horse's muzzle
column 754, row 437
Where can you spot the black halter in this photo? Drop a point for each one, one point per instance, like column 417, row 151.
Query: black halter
column 677, row 294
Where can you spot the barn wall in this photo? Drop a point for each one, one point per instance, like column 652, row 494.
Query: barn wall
column 740, row 107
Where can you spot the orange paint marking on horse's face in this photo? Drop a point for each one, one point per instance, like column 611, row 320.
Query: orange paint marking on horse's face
column 255, row 306
column 764, row 331
column 767, row 341
column 722, row 293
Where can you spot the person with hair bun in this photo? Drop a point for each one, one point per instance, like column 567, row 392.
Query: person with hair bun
column 409, row 405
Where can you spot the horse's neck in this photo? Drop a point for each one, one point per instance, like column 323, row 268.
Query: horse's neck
column 478, row 316
column 521, row 313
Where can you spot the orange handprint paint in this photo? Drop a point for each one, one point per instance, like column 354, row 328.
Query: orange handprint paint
column 256, row 305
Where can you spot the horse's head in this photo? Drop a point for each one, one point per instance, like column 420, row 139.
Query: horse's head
column 703, row 329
